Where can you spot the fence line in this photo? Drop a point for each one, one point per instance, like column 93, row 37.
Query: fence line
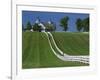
column 66, row 57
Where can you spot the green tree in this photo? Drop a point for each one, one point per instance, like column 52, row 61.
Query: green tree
column 50, row 27
column 64, row 23
column 79, row 24
column 28, row 26
column 36, row 27
column 86, row 24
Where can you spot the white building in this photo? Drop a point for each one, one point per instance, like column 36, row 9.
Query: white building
column 40, row 24
column 43, row 25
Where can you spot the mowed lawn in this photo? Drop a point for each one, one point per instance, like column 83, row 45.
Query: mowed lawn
column 72, row 43
column 36, row 52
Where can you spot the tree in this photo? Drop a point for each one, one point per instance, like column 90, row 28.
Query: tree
column 36, row 27
column 64, row 23
column 28, row 26
column 50, row 27
column 79, row 24
column 82, row 24
column 86, row 24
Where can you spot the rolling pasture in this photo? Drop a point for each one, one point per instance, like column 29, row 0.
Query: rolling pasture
column 72, row 43
column 36, row 51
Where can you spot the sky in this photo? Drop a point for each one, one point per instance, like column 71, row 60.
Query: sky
column 54, row 17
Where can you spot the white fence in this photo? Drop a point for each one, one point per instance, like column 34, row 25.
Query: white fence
column 65, row 56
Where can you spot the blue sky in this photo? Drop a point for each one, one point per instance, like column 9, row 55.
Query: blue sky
column 53, row 16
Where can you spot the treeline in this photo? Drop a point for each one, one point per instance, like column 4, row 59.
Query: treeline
column 37, row 27
column 81, row 25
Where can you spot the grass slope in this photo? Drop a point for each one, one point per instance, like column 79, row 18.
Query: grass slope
column 53, row 46
column 36, row 52
column 72, row 43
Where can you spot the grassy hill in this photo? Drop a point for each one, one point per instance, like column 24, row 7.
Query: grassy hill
column 36, row 52
column 73, row 43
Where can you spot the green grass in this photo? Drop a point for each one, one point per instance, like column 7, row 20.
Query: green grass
column 72, row 43
column 36, row 52
column 53, row 46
